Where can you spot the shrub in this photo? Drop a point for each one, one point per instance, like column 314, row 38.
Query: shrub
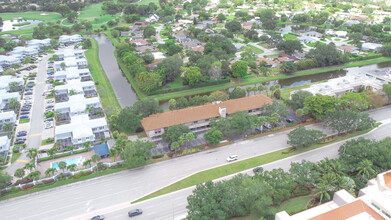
column 28, row 186
column 48, row 181
column 15, row 149
column 157, row 156
column 4, row 192
column 14, row 189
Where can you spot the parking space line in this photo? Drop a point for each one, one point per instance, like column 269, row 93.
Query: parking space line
column 32, row 135
column 24, row 161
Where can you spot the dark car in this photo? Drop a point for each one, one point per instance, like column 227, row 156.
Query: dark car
column 48, row 119
column 98, row 217
column 24, row 116
column 267, row 126
column 289, row 120
column 135, row 212
column 28, row 93
column 31, row 78
column 25, row 113
column 20, row 139
column 257, row 169
column 21, row 134
column 25, row 109
column 19, row 142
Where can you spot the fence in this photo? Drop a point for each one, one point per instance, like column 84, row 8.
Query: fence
column 68, row 173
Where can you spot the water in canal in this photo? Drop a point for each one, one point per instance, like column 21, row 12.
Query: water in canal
column 122, row 88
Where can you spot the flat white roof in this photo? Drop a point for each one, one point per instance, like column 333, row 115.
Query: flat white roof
column 80, row 125
column 77, row 100
column 7, row 115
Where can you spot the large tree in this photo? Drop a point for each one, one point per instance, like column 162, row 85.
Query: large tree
column 290, row 46
column 297, row 99
column 170, row 68
column 318, row 106
column 147, row 107
column 238, row 92
column 233, row 26
column 239, row 69
column 302, row 137
column 192, row 75
column 348, row 121
column 327, row 55
column 173, row 133
column 268, row 18
column 237, row 123
column 387, row 91
column 213, row 136
column 136, row 153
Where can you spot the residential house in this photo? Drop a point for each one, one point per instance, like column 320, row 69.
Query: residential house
column 306, row 40
column 70, row 62
column 153, row 18
column 23, row 52
column 70, row 53
column 81, row 130
column 351, row 22
column 198, row 118
column 74, row 87
column 5, row 99
column 204, row 24
column 39, row 43
column 7, row 118
column 77, row 105
column 181, row 38
column 140, row 42
column 373, row 202
column 286, row 58
column 66, row 39
column 8, row 61
column 158, row 55
column 269, row 62
column 349, row 49
column 4, row 146
column 192, row 43
column 313, row 34
column 331, row 32
column 73, row 73
column 238, row 46
column 7, row 80
column 141, row 23
column 371, row 47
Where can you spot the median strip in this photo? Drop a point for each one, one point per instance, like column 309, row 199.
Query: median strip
column 225, row 170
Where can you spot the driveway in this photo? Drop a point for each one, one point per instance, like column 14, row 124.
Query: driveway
column 158, row 38
column 36, row 126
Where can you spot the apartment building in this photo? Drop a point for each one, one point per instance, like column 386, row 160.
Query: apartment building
column 8, row 83
column 4, row 146
column 70, row 53
column 23, row 52
column 39, row 43
column 66, row 39
column 73, row 73
column 373, row 203
column 69, row 62
column 8, row 61
column 198, row 118
column 7, row 118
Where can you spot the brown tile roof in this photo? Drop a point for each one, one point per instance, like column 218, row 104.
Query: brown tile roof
column 207, row 111
column 387, row 179
column 347, row 211
column 348, row 48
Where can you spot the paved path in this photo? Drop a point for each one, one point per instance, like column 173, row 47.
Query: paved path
column 157, row 36
column 116, row 190
column 266, row 51
column 36, row 123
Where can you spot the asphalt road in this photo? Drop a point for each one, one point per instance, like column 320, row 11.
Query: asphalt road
column 173, row 205
column 36, row 117
column 117, row 190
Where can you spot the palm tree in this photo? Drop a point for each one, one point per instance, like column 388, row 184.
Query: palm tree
column 113, row 153
column 174, row 146
column 32, row 153
column 322, row 192
column 7, row 127
column 14, row 104
column 71, row 148
column 55, row 115
column 30, row 166
column 261, row 88
column 96, row 158
column 365, row 168
column 86, row 145
column 50, row 171
column 62, row 165
column 34, row 175
column 19, row 173
column 72, row 167
column 52, row 151
column 13, row 86
column 190, row 137
column 87, row 163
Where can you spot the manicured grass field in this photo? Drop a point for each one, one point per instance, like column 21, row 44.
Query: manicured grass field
column 15, row 156
column 21, row 24
column 33, row 15
column 24, row 120
column 295, row 205
column 107, row 97
column 95, row 11
column 314, row 44
column 146, row 2
column 256, row 49
column 232, row 168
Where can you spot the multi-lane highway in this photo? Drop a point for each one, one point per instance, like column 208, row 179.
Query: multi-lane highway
column 112, row 194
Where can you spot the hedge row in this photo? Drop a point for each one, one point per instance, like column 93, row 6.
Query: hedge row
column 169, row 90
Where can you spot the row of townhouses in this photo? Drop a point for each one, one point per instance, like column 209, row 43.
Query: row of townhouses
column 80, row 117
column 10, row 88
column 198, row 118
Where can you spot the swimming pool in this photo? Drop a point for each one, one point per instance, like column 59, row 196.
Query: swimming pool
column 76, row 160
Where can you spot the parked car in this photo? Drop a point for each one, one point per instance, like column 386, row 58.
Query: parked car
column 21, row 134
column 48, row 119
column 289, row 120
column 25, row 109
column 47, row 126
column 31, row 78
column 257, row 169
column 50, row 106
column 24, row 117
column 232, row 158
column 267, row 126
column 19, row 142
column 50, row 101
column 27, row 98
column 98, row 217
column 50, row 73
column 20, row 139
column 25, row 113
column 28, row 93
column 135, row 212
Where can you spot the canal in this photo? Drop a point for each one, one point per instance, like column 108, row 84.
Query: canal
column 122, row 88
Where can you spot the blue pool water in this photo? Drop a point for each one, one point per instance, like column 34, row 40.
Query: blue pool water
column 77, row 160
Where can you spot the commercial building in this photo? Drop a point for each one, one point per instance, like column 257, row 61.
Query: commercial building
column 373, row 203
column 198, row 118
column 352, row 82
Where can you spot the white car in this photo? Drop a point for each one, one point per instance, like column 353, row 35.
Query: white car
column 48, row 125
column 232, row 158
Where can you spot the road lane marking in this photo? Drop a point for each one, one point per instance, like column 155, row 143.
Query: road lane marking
column 32, row 135
column 24, row 161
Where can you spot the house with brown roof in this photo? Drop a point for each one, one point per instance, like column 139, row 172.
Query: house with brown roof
column 197, row 118
column 140, row 42
column 349, row 49
column 373, row 202
column 269, row 63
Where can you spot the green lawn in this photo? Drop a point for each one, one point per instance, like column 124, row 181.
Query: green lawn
column 15, row 156
column 314, row 44
column 95, row 11
column 33, row 15
column 290, row 37
column 107, row 97
column 47, row 141
column 259, row 79
column 146, row 2
column 295, row 205
column 24, row 120
column 232, row 168
column 256, row 49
